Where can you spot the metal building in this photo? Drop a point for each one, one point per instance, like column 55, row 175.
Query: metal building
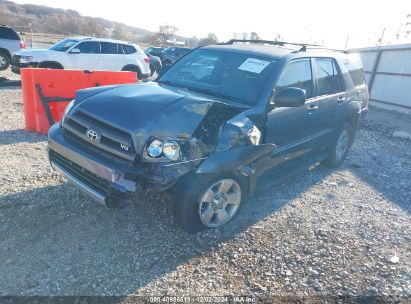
column 388, row 73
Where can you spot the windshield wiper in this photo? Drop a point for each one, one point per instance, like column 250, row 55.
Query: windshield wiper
column 211, row 93
column 173, row 84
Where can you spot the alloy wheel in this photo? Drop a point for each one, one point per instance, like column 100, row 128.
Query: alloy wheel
column 342, row 145
column 220, row 203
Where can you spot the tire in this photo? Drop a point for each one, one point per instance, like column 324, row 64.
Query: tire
column 152, row 70
column 5, row 60
column 134, row 69
column 167, row 64
column 53, row 66
column 338, row 150
column 194, row 214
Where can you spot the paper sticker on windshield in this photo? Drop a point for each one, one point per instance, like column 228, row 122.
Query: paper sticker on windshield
column 254, row 65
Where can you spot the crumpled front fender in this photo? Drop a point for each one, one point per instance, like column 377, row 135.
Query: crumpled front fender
column 234, row 158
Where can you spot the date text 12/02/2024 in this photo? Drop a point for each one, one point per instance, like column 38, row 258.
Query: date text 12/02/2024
column 202, row 299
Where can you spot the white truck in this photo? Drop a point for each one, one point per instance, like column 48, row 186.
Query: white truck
column 86, row 53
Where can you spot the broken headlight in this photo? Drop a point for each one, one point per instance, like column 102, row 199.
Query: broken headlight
column 68, row 108
column 168, row 149
column 155, row 149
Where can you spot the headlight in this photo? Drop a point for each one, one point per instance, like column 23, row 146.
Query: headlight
column 68, row 108
column 26, row 59
column 155, row 149
column 171, row 150
column 168, row 149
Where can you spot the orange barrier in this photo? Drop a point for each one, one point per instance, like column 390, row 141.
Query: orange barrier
column 47, row 92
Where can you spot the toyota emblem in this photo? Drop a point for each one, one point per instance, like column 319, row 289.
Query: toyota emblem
column 92, row 135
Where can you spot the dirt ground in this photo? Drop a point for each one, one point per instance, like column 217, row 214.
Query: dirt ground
column 323, row 233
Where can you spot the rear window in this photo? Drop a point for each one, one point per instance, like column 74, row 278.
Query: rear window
column 356, row 70
column 8, row 33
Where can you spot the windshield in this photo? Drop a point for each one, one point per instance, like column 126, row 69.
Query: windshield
column 234, row 76
column 63, row 45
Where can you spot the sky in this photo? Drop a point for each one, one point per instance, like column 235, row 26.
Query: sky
column 316, row 21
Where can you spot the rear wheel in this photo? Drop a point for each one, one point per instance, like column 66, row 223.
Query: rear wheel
column 134, row 69
column 166, row 64
column 5, row 60
column 203, row 203
column 339, row 148
column 152, row 70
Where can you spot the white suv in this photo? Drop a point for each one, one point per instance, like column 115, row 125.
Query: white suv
column 86, row 53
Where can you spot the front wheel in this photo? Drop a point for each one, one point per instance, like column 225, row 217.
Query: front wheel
column 339, row 148
column 202, row 203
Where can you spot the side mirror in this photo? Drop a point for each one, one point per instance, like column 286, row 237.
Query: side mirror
column 290, row 97
column 75, row 51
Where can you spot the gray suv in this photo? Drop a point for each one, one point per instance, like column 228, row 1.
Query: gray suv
column 10, row 42
column 219, row 124
column 170, row 55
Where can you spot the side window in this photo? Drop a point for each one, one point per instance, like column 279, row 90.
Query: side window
column 329, row 80
column 89, row 47
column 297, row 74
column 356, row 70
column 108, row 48
column 128, row 49
column 120, row 49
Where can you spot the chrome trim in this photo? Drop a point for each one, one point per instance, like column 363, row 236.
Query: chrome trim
column 185, row 162
column 96, row 196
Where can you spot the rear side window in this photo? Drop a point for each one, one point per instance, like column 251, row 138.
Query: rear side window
column 108, row 48
column 297, row 74
column 128, row 49
column 8, row 33
column 356, row 70
column 89, row 47
column 329, row 80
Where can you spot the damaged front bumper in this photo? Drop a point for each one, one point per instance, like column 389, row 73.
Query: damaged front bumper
column 103, row 177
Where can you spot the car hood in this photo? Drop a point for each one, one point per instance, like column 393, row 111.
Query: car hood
column 149, row 109
column 39, row 53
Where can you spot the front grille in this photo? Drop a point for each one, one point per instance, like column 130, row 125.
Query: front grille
column 111, row 139
column 90, row 179
column 15, row 60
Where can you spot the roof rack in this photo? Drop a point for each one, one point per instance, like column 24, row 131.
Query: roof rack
column 304, row 46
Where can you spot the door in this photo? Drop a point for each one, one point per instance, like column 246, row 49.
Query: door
column 110, row 58
column 291, row 128
column 86, row 58
column 330, row 96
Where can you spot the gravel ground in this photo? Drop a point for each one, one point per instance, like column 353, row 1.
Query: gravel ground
column 325, row 232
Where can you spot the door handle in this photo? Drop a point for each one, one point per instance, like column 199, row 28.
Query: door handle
column 341, row 99
column 312, row 108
